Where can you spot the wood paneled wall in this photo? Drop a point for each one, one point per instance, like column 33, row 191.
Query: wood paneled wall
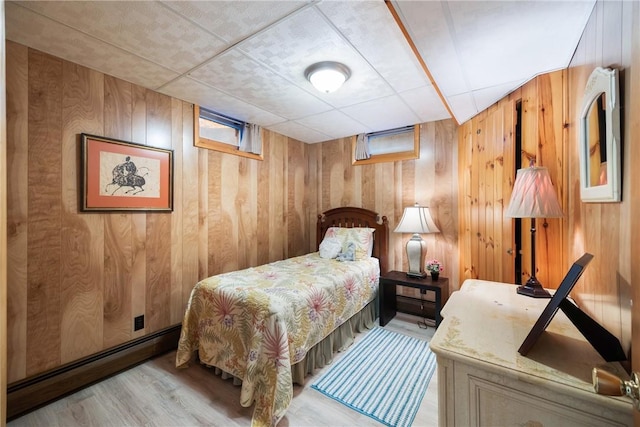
column 487, row 173
column 486, row 165
column 76, row 280
column 604, row 229
column 551, row 105
column 388, row 188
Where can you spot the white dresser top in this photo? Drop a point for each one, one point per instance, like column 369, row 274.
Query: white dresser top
column 486, row 322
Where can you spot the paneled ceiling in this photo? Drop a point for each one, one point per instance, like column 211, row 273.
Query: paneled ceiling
column 246, row 59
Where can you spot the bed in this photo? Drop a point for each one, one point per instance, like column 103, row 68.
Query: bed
column 270, row 325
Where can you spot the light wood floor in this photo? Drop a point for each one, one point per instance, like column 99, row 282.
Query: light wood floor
column 157, row 394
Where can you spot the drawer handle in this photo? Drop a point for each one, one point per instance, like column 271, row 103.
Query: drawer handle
column 611, row 385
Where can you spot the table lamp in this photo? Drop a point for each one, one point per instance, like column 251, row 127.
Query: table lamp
column 533, row 197
column 417, row 220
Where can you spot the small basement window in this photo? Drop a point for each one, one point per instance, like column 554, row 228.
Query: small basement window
column 390, row 145
column 218, row 132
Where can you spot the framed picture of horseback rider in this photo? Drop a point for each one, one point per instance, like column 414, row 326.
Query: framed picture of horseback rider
column 123, row 176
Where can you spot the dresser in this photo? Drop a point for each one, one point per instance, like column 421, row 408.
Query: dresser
column 484, row 381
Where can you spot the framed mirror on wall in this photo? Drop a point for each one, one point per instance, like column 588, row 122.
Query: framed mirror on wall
column 600, row 146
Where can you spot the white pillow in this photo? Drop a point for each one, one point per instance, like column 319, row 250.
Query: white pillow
column 361, row 237
column 330, row 247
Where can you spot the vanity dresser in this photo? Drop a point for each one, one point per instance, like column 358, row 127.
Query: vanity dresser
column 484, row 381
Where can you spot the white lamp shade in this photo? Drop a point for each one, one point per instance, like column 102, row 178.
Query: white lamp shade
column 533, row 195
column 417, row 220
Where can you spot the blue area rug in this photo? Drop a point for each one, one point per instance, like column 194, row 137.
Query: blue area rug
column 384, row 376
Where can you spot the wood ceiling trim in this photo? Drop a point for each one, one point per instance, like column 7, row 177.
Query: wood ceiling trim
column 396, row 17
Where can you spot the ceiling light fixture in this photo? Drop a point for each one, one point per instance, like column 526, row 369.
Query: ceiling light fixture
column 327, row 76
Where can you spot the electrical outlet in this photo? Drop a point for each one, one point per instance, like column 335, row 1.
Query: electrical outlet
column 138, row 322
column 423, row 291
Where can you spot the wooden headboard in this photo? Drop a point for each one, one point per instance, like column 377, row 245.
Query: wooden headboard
column 350, row 217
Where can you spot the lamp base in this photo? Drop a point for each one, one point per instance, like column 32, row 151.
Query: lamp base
column 534, row 289
column 416, row 251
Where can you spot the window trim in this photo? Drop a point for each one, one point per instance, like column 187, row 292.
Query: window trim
column 210, row 144
column 389, row 157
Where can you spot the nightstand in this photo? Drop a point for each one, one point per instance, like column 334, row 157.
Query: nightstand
column 388, row 299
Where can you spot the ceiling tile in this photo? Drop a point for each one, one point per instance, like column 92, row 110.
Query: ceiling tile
column 41, row 33
column 532, row 36
column 381, row 114
column 464, row 106
column 145, row 28
column 305, row 39
column 235, row 20
column 427, row 25
column 486, row 97
column 426, row 103
column 479, row 45
column 341, row 125
column 301, row 133
column 245, row 79
column 208, row 97
column 372, row 30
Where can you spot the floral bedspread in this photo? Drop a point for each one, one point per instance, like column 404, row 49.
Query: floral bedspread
column 256, row 323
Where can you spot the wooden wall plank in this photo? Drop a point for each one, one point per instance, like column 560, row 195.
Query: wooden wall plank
column 509, row 115
column 483, row 228
column 117, row 298
column 203, row 213
column 176, row 311
column 297, row 219
column 82, row 265
column 549, row 237
column 406, row 190
column 190, row 211
column 158, row 226
column 3, row 227
column 17, row 104
column 264, row 200
column 493, row 218
column 138, row 220
column 244, row 213
column 218, row 230
column 368, row 185
column 529, row 151
column 311, row 195
column 45, row 211
column 445, row 199
column 612, row 216
column 118, row 241
column 630, row 55
column 225, row 240
column 475, row 198
column 465, row 156
column 277, row 195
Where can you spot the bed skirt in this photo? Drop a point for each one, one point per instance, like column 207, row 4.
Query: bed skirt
column 340, row 339
column 321, row 354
